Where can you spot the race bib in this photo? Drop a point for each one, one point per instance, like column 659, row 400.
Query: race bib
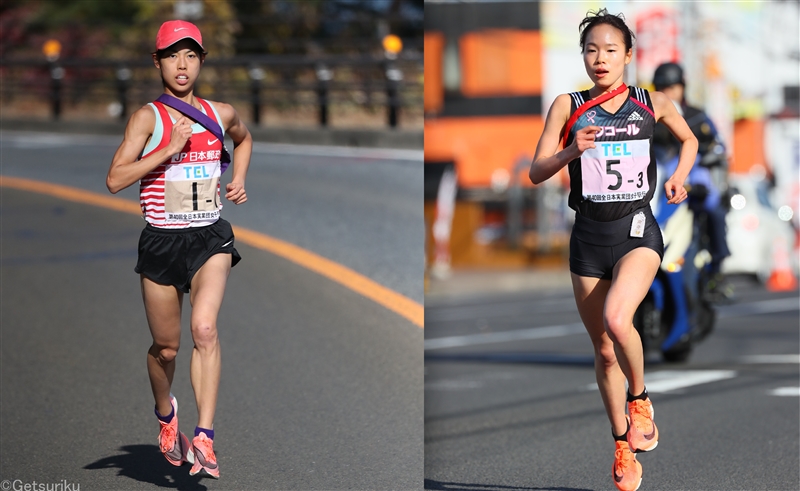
column 616, row 171
column 191, row 191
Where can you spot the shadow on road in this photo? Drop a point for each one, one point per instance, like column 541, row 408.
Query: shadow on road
column 459, row 486
column 146, row 464
column 652, row 359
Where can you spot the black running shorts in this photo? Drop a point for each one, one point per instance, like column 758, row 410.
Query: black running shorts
column 172, row 257
column 595, row 247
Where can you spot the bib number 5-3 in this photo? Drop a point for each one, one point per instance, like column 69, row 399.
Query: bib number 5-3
column 618, row 175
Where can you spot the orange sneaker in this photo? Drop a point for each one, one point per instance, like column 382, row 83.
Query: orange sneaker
column 627, row 471
column 643, row 434
column 174, row 444
column 205, row 461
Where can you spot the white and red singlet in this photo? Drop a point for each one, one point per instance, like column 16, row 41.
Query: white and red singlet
column 184, row 190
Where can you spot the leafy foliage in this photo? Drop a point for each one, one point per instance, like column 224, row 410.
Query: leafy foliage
column 126, row 28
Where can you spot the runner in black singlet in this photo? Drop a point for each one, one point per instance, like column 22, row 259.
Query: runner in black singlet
column 604, row 137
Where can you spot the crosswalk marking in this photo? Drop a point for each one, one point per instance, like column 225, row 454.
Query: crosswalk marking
column 785, row 391
column 669, row 380
column 751, row 308
column 766, row 359
column 504, row 336
column 772, row 306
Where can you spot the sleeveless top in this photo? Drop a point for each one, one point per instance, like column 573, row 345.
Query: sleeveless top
column 183, row 191
column 618, row 176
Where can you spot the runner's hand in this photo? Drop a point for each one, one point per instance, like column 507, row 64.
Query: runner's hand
column 676, row 193
column 584, row 138
column 181, row 132
column 235, row 193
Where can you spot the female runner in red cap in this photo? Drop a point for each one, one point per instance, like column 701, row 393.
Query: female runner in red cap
column 186, row 246
column 604, row 136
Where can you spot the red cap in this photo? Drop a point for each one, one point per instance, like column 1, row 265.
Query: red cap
column 173, row 31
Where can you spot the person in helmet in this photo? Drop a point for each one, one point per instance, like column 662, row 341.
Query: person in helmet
column 669, row 80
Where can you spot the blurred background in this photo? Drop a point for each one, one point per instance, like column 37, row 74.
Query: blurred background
column 492, row 70
column 281, row 63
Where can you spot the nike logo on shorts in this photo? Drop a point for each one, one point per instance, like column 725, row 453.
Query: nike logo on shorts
column 226, row 244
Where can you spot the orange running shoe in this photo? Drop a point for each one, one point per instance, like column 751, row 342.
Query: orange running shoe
column 174, row 444
column 627, row 471
column 205, row 460
column 643, row 434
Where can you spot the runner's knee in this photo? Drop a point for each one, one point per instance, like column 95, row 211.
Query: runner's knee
column 604, row 354
column 164, row 354
column 618, row 326
column 204, row 334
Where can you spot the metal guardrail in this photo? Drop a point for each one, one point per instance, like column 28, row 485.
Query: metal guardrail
column 266, row 80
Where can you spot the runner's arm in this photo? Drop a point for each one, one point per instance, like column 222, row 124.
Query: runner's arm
column 242, row 150
column 550, row 157
column 666, row 113
column 125, row 168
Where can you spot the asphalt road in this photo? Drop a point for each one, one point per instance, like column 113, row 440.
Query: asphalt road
column 510, row 400
column 360, row 207
column 321, row 388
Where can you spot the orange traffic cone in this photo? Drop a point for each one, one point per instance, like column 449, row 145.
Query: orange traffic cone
column 782, row 278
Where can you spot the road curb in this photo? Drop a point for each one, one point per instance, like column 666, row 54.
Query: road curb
column 351, row 137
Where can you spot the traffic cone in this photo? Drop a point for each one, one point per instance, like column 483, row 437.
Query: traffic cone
column 782, row 278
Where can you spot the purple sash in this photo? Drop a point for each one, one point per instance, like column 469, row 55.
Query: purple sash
column 204, row 120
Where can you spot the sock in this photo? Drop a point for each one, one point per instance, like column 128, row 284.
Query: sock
column 209, row 433
column 623, row 437
column 641, row 397
column 168, row 418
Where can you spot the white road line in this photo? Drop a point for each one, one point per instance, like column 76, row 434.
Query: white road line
column 669, row 380
column 760, row 307
column 20, row 139
column 752, row 308
column 767, row 359
column 454, row 385
column 784, row 392
column 472, row 381
column 504, row 336
column 515, row 309
column 339, row 151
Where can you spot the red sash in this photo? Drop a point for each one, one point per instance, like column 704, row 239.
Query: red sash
column 588, row 105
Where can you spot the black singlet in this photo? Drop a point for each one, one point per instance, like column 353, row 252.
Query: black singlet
column 619, row 175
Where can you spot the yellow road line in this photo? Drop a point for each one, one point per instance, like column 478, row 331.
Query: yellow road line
column 343, row 275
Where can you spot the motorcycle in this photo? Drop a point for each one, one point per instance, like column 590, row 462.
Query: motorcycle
column 677, row 313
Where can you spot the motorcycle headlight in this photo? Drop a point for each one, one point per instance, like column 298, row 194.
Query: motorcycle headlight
column 785, row 213
column 738, row 201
